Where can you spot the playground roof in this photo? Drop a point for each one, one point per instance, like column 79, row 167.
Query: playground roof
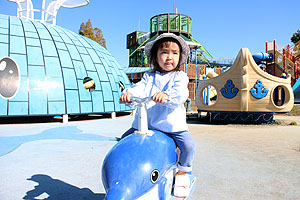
column 134, row 70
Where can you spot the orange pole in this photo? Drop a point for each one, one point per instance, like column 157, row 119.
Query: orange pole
column 288, row 51
column 296, row 72
column 274, row 47
column 284, row 60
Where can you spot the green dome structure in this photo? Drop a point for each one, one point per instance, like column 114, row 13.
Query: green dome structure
column 171, row 23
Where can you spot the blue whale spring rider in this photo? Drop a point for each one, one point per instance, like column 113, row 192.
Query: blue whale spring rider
column 142, row 166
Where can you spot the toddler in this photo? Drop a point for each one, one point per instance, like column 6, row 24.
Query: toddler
column 168, row 87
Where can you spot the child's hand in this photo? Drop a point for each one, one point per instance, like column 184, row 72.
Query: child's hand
column 160, row 97
column 125, row 98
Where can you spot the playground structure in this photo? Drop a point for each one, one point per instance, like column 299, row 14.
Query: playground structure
column 245, row 93
column 278, row 98
column 281, row 61
column 47, row 70
column 180, row 25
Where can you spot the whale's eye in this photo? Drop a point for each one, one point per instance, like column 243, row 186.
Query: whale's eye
column 154, row 176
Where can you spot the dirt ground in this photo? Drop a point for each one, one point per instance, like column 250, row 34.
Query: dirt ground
column 232, row 161
column 247, row 161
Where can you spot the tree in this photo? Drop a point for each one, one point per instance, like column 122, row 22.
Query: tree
column 296, row 40
column 296, row 37
column 99, row 37
column 87, row 30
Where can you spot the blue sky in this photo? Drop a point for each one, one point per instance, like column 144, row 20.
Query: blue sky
column 222, row 27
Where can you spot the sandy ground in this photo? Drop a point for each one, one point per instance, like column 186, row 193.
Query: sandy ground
column 58, row 161
column 247, row 161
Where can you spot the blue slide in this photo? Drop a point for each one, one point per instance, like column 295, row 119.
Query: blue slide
column 296, row 90
column 260, row 57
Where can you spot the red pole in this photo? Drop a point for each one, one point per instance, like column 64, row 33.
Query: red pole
column 284, row 60
column 173, row 7
column 288, row 51
column 296, row 71
column 274, row 47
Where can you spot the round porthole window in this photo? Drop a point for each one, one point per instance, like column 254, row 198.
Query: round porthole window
column 209, row 95
column 280, row 96
column 89, row 84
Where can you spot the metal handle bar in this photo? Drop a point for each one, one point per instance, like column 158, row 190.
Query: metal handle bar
column 141, row 100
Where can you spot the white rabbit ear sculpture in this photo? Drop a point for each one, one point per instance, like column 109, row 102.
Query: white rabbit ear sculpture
column 48, row 10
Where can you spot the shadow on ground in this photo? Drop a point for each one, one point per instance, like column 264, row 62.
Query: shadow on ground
column 58, row 118
column 193, row 118
column 9, row 144
column 54, row 189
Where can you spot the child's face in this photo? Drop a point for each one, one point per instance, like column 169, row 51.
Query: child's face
column 168, row 56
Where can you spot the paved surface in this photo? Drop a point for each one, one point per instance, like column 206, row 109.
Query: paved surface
column 56, row 161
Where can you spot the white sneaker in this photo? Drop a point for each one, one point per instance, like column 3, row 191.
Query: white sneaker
column 182, row 186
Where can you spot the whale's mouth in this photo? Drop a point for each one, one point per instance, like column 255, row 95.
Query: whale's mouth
column 125, row 193
column 151, row 194
column 118, row 194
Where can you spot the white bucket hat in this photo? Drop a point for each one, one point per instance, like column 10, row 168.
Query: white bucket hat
column 185, row 48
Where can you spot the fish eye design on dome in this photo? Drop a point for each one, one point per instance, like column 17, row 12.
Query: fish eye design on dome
column 9, row 78
column 89, row 84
